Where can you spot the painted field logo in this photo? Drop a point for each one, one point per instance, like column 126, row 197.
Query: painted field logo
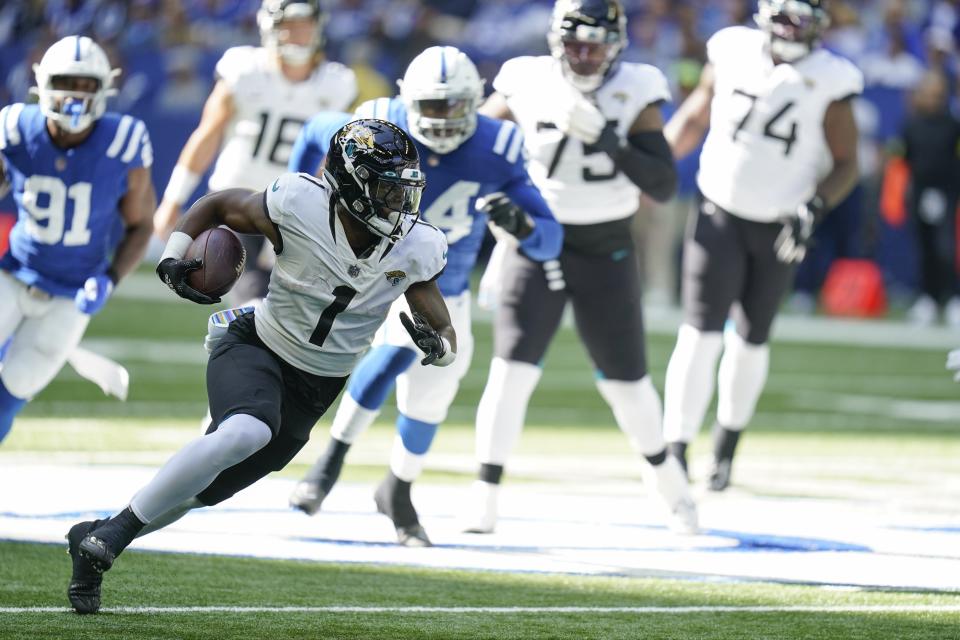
column 395, row 277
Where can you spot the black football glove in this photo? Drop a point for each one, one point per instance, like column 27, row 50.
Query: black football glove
column 609, row 141
column 174, row 272
column 424, row 336
column 792, row 242
column 506, row 215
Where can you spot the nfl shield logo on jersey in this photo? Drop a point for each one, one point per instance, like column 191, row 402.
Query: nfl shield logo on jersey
column 353, row 271
column 395, row 277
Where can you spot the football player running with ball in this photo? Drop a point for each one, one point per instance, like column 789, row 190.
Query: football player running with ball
column 347, row 247
column 780, row 152
column 80, row 177
column 468, row 159
column 593, row 131
column 262, row 97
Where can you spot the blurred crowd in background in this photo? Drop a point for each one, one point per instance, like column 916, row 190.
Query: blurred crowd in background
column 907, row 50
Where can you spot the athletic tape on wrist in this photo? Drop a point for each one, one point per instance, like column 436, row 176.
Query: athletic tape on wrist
column 177, row 246
column 449, row 355
column 182, row 184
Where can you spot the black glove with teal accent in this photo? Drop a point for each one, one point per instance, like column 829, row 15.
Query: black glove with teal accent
column 505, row 214
column 425, row 337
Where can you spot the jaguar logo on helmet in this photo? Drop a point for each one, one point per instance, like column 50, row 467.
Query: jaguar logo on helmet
column 374, row 171
column 362, row 136
column 587, row 37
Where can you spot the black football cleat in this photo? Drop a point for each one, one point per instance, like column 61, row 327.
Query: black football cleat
column 307, row 496
column 679, row 451
column 413, row 536
column 97, row 553
column 310, row 492
column 719, row 478
column 393, row 500
column 724, row 446
column 84, row 589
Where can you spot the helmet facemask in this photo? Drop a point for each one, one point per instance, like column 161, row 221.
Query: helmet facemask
column 587, row 48
column 74, row 80
column 70, row 104
column 390, row 204
column 292, row 30
column 793, row 26
column 386, row 200
column 441, row 90
column 443, row 124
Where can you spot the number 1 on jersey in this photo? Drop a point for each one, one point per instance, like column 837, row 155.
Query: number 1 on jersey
column 343, row 295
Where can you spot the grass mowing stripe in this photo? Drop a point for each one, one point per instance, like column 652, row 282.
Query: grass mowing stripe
column 919, row 608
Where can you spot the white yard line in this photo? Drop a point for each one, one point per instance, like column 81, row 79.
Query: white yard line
column 917, row 608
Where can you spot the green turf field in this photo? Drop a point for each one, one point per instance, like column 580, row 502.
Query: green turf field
column 835, row 420
column 35, row 578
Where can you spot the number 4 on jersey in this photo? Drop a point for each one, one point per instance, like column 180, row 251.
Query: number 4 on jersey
column 451, row 211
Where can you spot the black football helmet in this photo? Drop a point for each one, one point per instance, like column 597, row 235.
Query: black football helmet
column 793, row 26
column 273, row 34
column 374, row 169
column 587, row 37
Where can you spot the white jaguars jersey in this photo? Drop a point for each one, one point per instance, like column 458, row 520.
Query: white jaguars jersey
column 580, row 183
column 766, row 152
column 269, row 113
column 324, row 305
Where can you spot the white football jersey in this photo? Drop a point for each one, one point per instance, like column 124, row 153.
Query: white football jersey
column 580, row 183
column 269, row 113
column 324, row 304
column 766, row 152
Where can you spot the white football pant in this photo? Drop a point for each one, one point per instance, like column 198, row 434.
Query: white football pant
column 45, row 329
column 423, row 393
column 689, row 383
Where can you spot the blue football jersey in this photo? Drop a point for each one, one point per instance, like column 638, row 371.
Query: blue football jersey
column 313, row 142
column 68, row 218
column 491, row 160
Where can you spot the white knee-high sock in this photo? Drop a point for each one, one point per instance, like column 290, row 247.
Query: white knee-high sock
column 689, row 383
column 503, row 408
column 196, row 465
column 743, row 373
column 636, row 407
column 405, row 464
column 351, row 420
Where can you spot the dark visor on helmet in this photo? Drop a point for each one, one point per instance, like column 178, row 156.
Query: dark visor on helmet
column 445, row 109
column 399, row 193
column 794, row 27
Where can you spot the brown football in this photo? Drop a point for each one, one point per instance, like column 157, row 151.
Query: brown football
column 223, row 258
